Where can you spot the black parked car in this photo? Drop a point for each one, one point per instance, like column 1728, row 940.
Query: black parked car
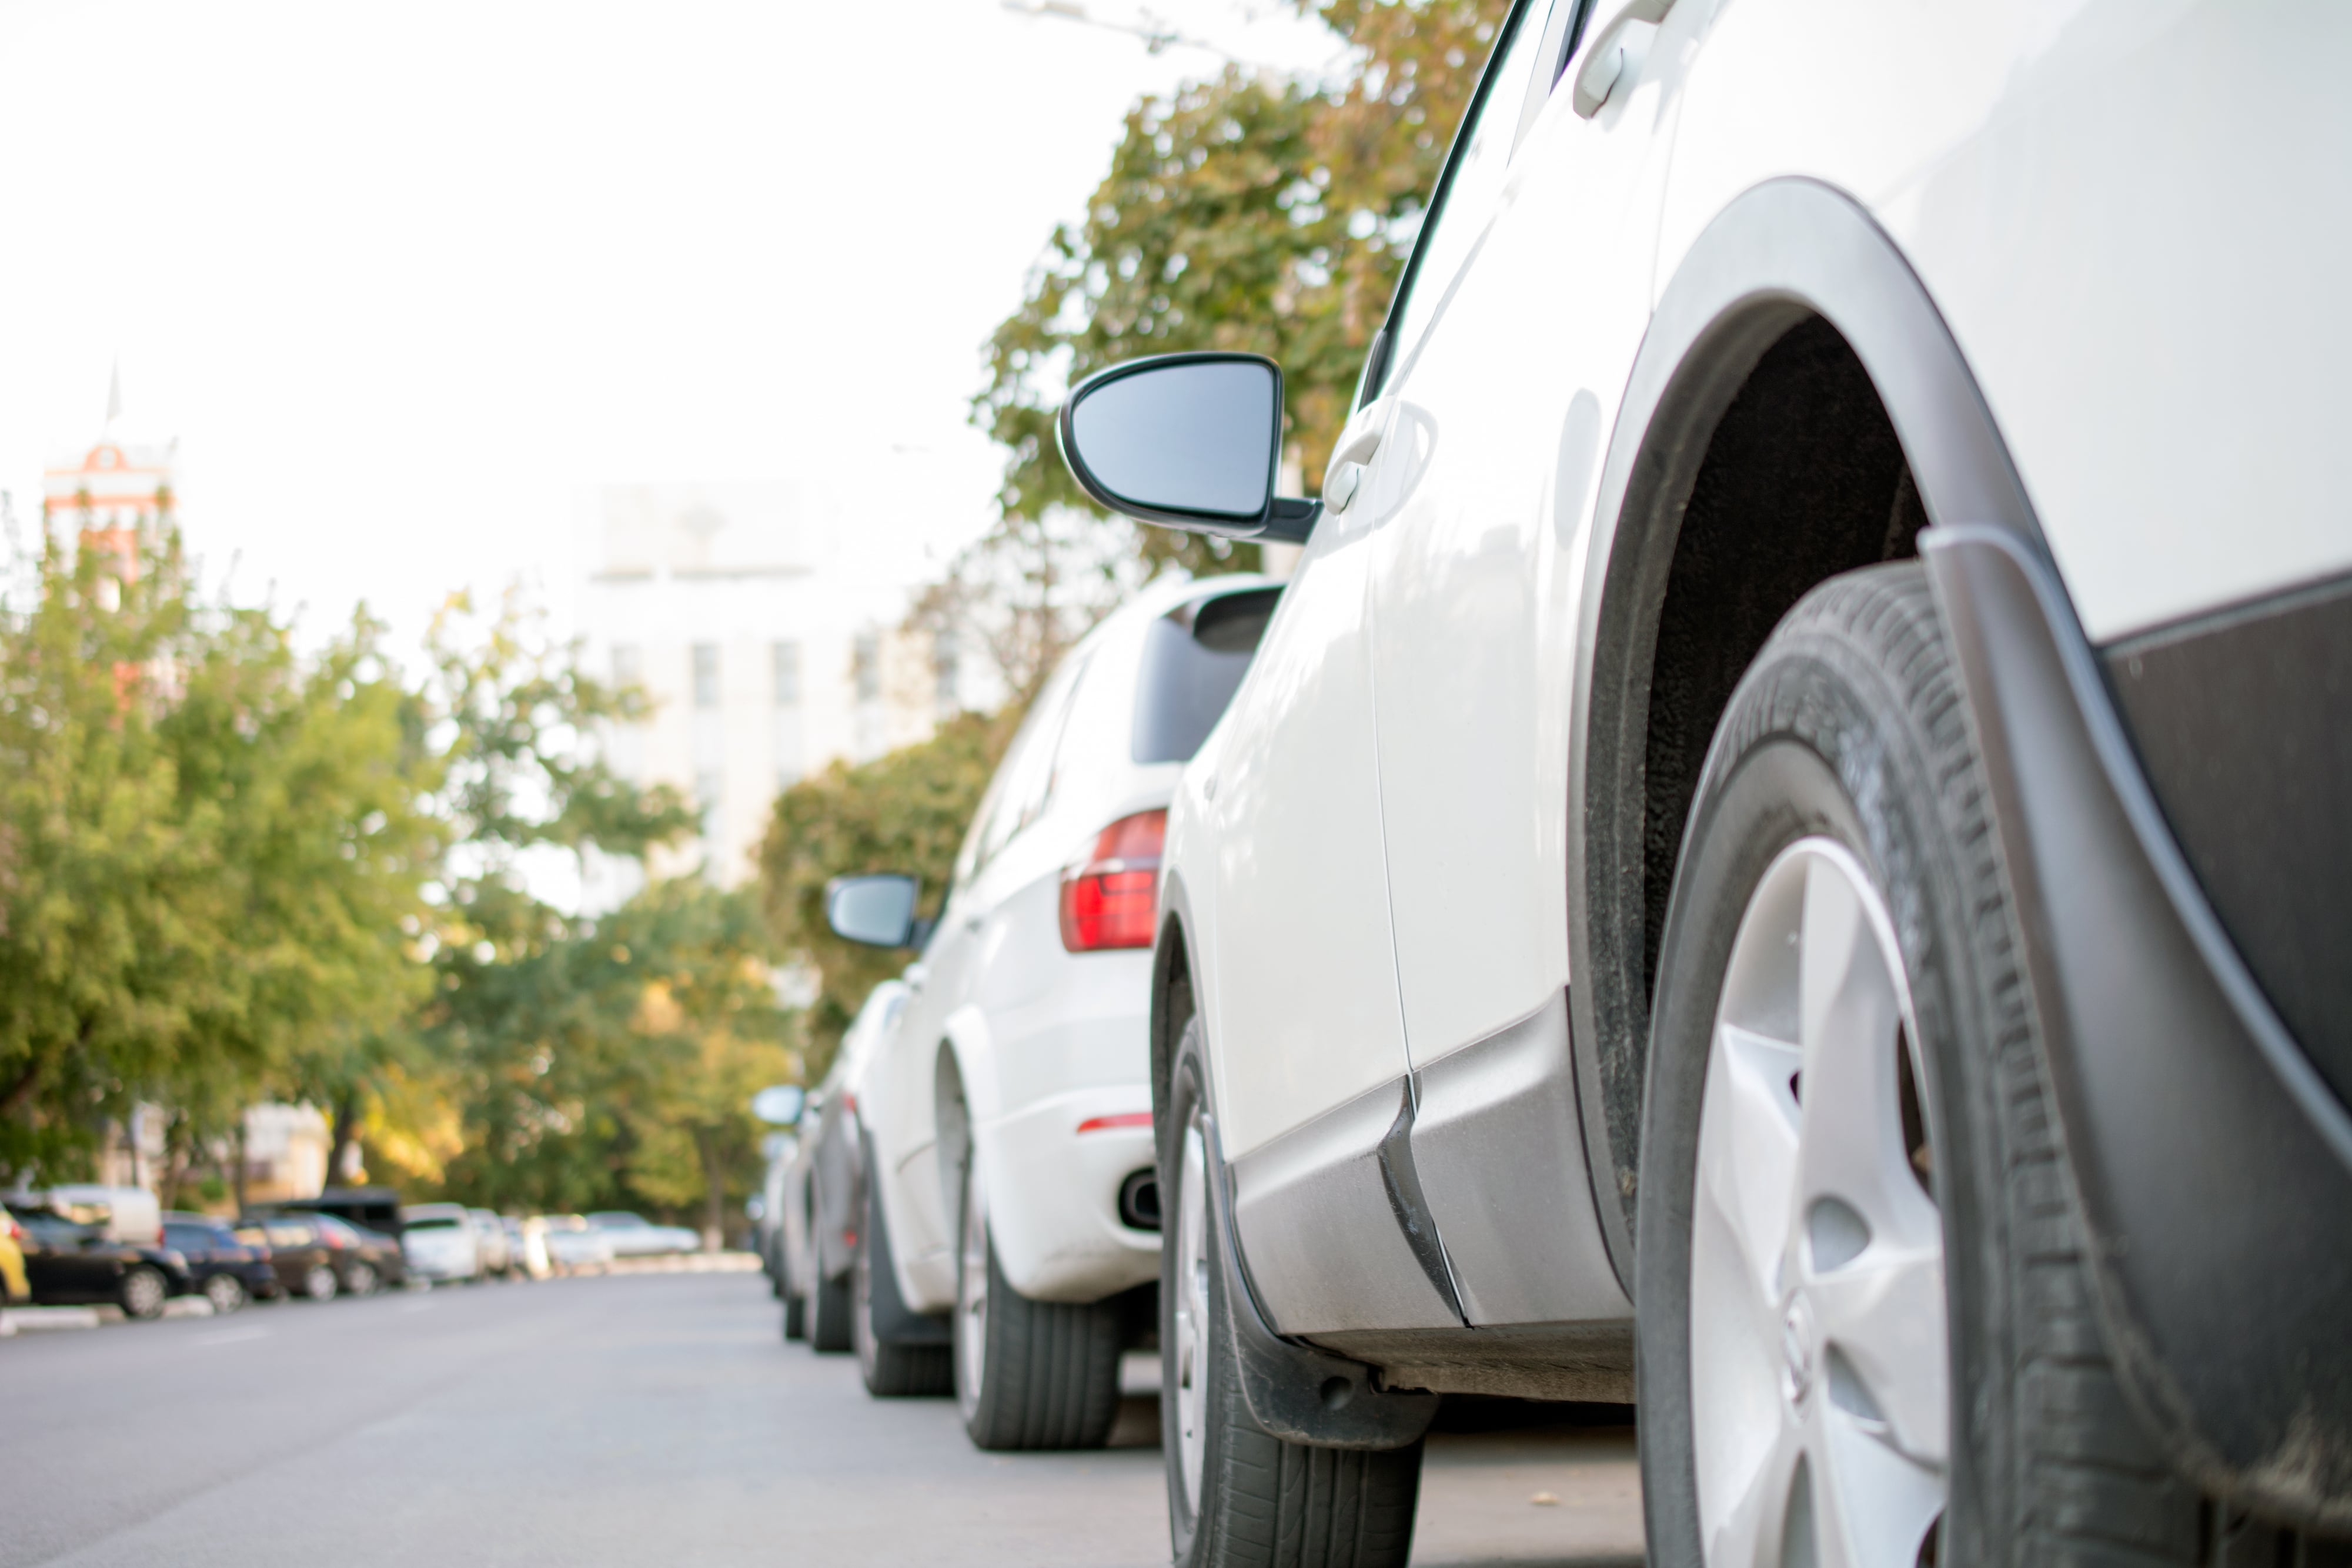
column 376, row 1208
column 230, row 1271
column 67, row 1262
column 321, row 1257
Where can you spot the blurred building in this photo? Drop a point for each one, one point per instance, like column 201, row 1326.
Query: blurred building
column 111, row 491
column 766, row 656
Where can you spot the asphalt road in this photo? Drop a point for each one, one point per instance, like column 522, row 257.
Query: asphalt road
column 625, row 1421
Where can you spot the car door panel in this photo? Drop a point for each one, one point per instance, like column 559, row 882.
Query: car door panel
column 1303, row 1016
column 1478, row 554
column 1474, row 568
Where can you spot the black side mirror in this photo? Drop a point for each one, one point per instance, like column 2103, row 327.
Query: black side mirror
column 877, row 911
column 1185, row 441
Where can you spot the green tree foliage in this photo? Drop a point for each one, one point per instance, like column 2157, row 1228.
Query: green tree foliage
column 208, row 847
column 905, row 811
column 606, row 1063
column 1241, row 214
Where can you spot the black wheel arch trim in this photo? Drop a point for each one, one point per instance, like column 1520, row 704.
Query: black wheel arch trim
column 2211, row 1162
column 2262, row 1414
column 1781, row 253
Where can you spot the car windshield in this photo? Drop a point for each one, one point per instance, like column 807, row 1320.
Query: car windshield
column 1193, row 658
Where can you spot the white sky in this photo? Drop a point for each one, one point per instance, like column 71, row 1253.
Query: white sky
column 405, row 280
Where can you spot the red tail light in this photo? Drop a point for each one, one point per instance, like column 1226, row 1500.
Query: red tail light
column 1111, row 899
column 1112, row 1124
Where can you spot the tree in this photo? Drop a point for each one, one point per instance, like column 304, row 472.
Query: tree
column 905, row 811
column 208, row 847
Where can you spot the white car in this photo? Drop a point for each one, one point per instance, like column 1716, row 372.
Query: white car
column 574, row 1246
column 440, row 1241
column 1791, row 816
column 1007, row 1114
column 491, row 1242
column 634, row 1236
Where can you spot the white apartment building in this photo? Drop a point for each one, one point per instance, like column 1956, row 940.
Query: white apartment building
column 767, row 647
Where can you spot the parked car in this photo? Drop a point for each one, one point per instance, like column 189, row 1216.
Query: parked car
column 1809, row 734
column 365, row 1261
column 576, row 1246
column 634, row 1236
column 440, row 1241
column 228, row 1272
column 527, row 1247
column 490, row 1241
column 74, row 1255
column 824, row 1187
column 14, row 1288
column 319, row 1257
column 1012, row 1187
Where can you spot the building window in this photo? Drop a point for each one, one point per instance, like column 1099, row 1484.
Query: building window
column 788, row 674
column 706, row 674
column 865, row 666
column 628, row 664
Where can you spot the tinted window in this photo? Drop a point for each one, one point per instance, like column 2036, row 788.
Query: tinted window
column 1192, row 660
column 194, row 1239
column 433, row 1222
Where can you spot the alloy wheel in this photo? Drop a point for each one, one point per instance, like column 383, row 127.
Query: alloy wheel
column 224, row 1294
column 972, row 1295
column 1193, row 1332
column 1819, row 1352
column 143, row 1293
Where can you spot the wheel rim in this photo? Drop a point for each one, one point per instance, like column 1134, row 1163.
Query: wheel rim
column 143, row 1294
column 224, row 1294
column 363, row 1279
column 1819, row 1366
column 1192, row 1334
column 972, row 1295
column 321, row 1283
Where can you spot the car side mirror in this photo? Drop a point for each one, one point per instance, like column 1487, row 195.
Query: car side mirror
column 1185, row 441
column 876, row 911
column 779, row 1105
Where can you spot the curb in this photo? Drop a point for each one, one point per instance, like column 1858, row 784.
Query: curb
column 47, row 1320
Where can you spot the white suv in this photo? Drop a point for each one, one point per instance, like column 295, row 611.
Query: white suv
column 1007, row 1110
column 1789, row 827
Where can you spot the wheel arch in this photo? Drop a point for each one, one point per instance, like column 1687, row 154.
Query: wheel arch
column 1792, row 317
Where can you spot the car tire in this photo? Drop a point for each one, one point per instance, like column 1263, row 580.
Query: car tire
column 1029, row 1375
column 828, row 1304
column 891, row 1370
column 143, row 1293
column 1239, row 1497
column 1854, row 1197
column 795, row 1317
column 363, row 1281
column 319, row 1282
column 227, row 1293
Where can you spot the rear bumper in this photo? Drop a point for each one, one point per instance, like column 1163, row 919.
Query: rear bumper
column 1053, row 1195
column 2211, row 1160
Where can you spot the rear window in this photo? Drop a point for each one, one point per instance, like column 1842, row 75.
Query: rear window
column 434, row 1222
column 194, row 1237
column 1192, row 659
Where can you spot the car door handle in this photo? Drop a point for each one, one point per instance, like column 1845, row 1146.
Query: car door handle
column 1358, row 443
column 1597, row 76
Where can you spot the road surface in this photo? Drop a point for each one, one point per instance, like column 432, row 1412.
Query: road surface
column 624, row 1421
